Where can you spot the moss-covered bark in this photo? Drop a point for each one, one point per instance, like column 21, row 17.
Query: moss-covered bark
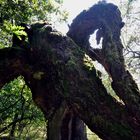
column 106, row 19
column 58, row 71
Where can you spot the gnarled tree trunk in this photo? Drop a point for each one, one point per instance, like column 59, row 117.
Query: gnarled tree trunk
column 65, row 84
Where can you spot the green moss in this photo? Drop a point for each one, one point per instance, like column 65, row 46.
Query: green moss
column 71, row 63
column 121, row 130
column 38, row 75
column 65, row 87
column 88, row 62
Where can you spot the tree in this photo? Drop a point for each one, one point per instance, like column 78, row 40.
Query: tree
column 130, row 36
column 19, row 117
column 64, row 82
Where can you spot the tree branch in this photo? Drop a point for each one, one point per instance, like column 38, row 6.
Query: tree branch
column 108, row 20
column 12, row 62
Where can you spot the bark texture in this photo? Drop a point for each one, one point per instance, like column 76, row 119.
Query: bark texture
column 106, row 19
column 64, row 82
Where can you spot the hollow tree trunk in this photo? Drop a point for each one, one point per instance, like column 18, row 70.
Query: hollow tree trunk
column 57, row 71
column 64, row 125
column 106, row 19
column 64, row 76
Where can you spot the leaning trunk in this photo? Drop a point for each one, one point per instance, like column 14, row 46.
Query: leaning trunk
column 64, row 82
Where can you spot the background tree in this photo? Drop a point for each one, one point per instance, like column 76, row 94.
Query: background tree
column 19, row 117
column 130, row 36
